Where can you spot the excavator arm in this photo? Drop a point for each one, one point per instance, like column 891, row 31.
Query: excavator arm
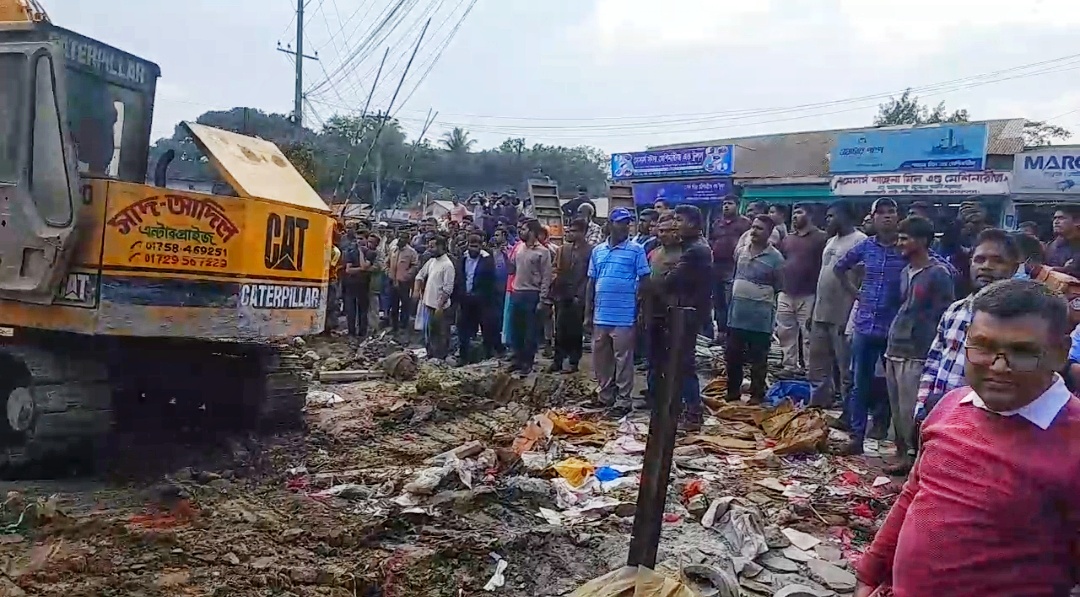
column 38, row 169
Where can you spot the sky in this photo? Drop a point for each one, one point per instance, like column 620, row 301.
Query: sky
column 620, row 75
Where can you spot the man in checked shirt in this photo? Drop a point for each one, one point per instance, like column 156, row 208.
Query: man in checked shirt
column 994, row 257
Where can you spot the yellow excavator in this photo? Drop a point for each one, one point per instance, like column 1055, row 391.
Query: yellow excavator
column 127, row 303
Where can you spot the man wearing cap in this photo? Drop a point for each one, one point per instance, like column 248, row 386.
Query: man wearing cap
column 616, row 269
column 879, row 300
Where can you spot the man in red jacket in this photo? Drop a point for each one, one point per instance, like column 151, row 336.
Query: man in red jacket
column 992, row 505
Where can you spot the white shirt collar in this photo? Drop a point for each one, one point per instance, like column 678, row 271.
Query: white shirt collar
column 1042, row 411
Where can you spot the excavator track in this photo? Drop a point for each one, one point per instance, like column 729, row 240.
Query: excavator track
column 62, row 406
column 275, row 394
column 57, row 404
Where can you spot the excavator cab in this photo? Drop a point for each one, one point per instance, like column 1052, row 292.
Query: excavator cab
column 38, row 171
column 71, row 107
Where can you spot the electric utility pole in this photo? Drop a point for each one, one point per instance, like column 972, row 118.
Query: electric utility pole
column 298, row 54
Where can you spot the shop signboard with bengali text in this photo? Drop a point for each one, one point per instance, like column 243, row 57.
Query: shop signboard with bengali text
column 673, row 163
column 954, row 183
column 1051, row 170
column 944, row 147
column 675, row 192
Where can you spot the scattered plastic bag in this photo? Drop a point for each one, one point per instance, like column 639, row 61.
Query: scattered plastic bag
column 564, row 425
column 574, row 470
column 428, row 479
column 567, row 496
column 536, row 429
column 695, row 487
column 795, row 390
column 498, row 579
column 320, row 398
column 605, row 474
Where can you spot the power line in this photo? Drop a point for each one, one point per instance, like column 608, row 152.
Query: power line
column 710, row 115
column 438, row 55
column 736, row 116
column 394, row 8
column 382, row 122
column 350, row 82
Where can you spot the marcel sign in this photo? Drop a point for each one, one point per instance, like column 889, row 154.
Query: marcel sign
column 1050, row 170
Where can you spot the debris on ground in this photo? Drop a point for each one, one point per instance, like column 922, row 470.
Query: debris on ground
column 447, row 481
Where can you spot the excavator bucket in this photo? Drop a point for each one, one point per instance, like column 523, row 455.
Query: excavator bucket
column 256, row 168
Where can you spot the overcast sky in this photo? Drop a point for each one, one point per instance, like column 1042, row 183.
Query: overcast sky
column 616, row 74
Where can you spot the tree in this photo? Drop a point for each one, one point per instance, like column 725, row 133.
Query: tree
column 907, row 109
column 515, row 146
column 302, row 157
column 344, row 161
column 458, row 141
column 1038, row 133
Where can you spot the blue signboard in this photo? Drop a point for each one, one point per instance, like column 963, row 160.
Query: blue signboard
column 672, row 163
column 675, row 192
column 944, row 147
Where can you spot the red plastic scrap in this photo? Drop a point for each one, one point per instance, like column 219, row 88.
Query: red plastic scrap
column 695, row 487
column 297, row 485
column 671, row 517
column 862, row 509
column 843, row 534
column 849, row 478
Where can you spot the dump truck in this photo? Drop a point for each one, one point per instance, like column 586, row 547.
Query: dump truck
column 127, row 303
column 544, row 194
column 621, row 194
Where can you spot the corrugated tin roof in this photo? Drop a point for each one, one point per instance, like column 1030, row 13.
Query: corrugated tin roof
column 788, row 155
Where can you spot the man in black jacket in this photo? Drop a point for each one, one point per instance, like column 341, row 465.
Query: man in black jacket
column 683, row 288
column 568, row 287
column 474, row 292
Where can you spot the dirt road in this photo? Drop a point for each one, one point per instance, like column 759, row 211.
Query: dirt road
column 328, row 512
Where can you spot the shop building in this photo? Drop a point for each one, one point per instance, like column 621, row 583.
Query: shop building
column 1042, row 178
column 823, row 166
column 697, row 175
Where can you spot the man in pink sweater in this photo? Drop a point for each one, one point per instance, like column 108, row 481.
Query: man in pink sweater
column 992, row 505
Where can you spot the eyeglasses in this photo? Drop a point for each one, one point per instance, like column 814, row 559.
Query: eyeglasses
column 1019, row 361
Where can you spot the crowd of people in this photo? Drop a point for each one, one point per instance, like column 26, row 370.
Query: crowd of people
column 959, row 338
column 868, row 313
column 954, row 335
column 489, row 269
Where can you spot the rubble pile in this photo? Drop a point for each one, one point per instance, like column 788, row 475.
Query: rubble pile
column 459, row 481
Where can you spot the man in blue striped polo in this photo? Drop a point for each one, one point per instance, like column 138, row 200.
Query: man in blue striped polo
column 617, row 268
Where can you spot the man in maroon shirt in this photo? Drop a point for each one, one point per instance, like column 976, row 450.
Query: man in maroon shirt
column 992, row 505
column 723, row 237
column 1064, row 253
column 803, row 249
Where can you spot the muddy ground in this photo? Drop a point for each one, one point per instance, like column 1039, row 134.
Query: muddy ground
column 250, row 515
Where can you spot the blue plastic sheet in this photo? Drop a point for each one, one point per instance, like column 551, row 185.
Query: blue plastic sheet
column 796, row 390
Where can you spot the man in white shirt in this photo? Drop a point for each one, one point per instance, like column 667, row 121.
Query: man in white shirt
column 434, row 285
column 754, row 210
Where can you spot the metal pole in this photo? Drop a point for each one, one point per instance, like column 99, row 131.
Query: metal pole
column 298, row 100
column 649, row 517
